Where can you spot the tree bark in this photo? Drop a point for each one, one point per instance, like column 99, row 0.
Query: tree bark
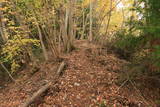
column 35, row 95
column 68, row 37
column 82, row 36
column 109, row 18
column 42, row 43
column 2, row 27
column 91, row 22
column 65, row 36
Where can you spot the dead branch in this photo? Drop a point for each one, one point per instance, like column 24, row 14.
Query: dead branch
column 7, row 72
column 44, row 88
column 60, row 69
column 36, row 95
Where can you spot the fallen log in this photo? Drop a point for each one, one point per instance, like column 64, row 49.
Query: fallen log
column 44, row 88
column 36, row 95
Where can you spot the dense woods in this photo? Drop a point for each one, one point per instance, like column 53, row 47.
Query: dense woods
column 119, row 37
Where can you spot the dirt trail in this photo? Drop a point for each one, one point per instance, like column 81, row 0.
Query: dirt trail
column 89, row 81
column 86, row 82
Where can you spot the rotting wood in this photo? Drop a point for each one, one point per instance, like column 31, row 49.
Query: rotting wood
column 44, row 88
column 36, row 95
column 60, row 69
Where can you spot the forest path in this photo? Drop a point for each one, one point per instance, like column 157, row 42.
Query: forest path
column 89, row 80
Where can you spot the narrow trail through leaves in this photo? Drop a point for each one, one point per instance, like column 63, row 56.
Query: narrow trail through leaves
column 89, row 80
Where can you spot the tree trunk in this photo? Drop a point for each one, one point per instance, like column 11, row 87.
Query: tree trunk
column 66, row 28
column 109, row 18
column 68, row 37
column 71, row 24
column 91, row 21
column 42, row 43
column 82, row 36
column 2, row 26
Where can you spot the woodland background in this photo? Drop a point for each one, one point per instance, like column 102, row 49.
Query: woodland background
column 34, row 32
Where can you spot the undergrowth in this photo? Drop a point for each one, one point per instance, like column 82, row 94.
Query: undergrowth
column 17, row 52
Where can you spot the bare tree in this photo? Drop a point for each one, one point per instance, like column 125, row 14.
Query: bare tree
column 109, row 17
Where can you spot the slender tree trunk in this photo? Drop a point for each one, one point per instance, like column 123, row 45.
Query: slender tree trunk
column 59, row 40
column 71, row 25
column 122, row 25
column 55, row 33
column 42, row 43
column 41, row 38
column 2, row 26
column 83, row 30
column 66, row 28
column 109, row 18
column 9, row 74
column 91, row 22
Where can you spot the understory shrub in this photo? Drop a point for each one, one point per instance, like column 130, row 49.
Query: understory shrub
column 127, row 43
column 17, row 52
column 138, row 49
column 156, row 58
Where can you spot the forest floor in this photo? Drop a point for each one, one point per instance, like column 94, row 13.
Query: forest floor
column 89, row 80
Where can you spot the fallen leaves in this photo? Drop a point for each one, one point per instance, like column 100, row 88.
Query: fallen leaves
column 88, row 80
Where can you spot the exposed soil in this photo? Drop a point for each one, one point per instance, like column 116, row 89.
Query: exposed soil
column 89, row 80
